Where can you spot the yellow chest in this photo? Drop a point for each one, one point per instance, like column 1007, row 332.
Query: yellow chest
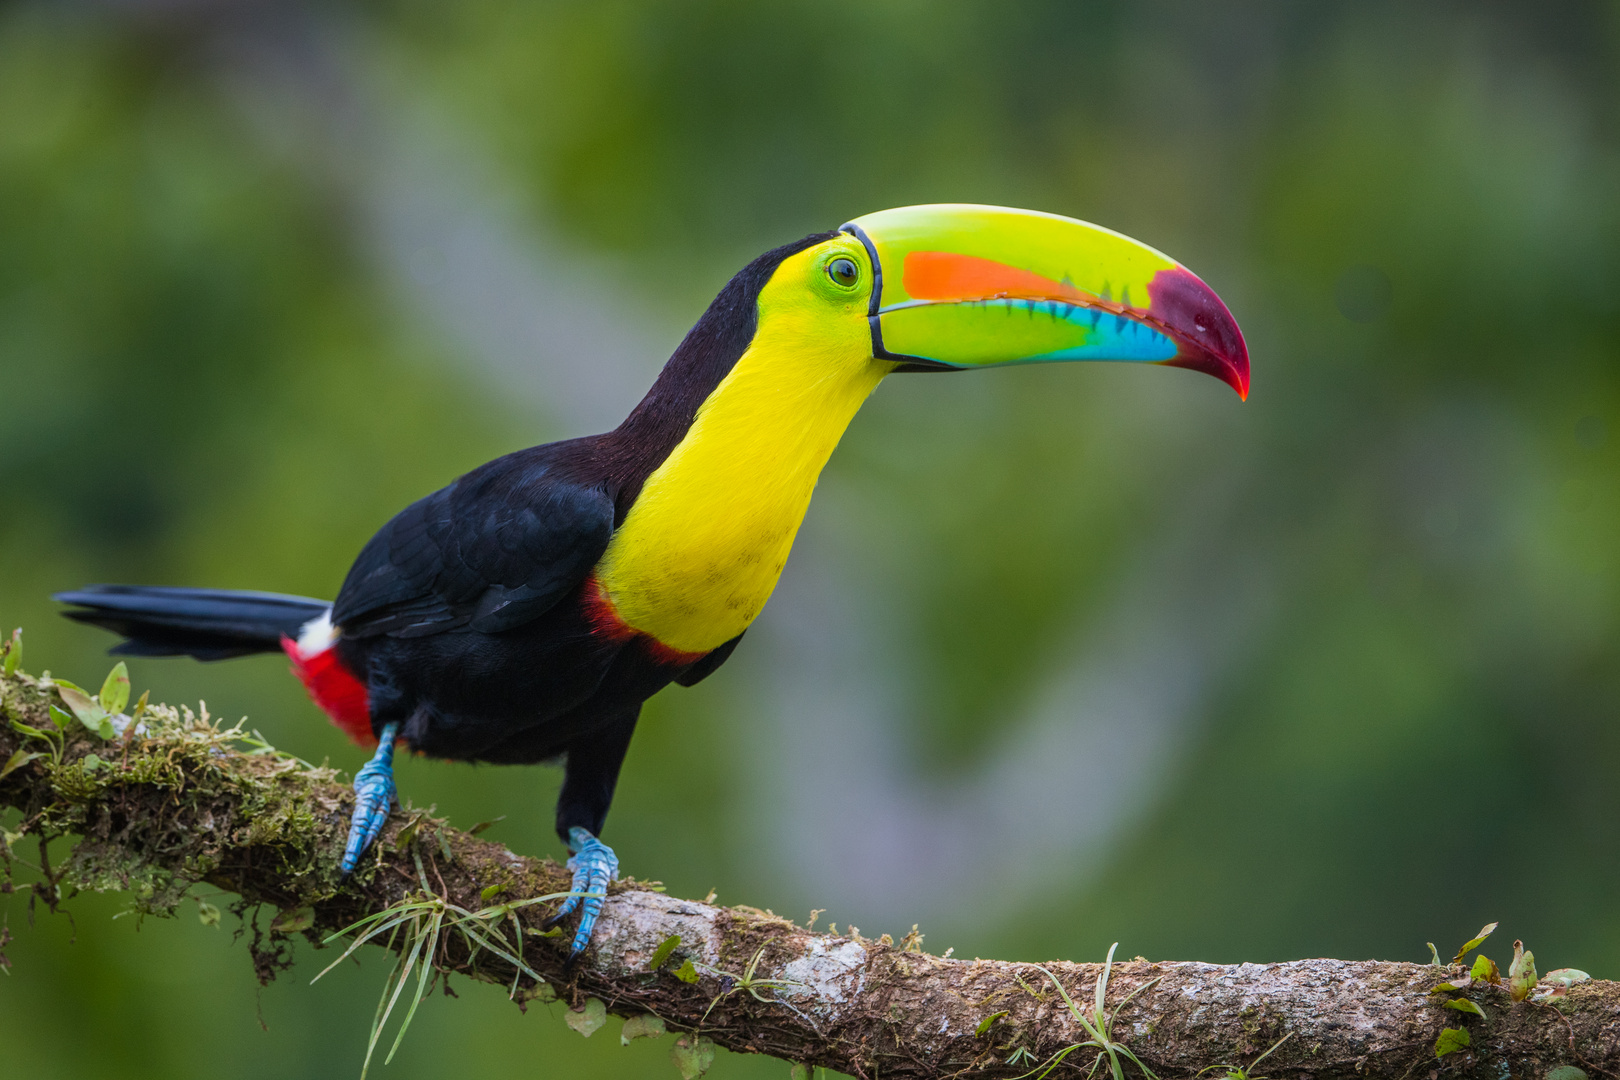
column 703, row 545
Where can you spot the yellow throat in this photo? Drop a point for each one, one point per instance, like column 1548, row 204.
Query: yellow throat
column 705, row 541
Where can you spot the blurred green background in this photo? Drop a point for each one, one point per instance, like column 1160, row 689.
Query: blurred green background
column 1064, row 656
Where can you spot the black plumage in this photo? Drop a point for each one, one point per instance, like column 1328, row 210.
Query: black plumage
column 209, row 624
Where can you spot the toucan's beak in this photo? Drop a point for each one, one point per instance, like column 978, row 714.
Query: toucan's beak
column 964, row 286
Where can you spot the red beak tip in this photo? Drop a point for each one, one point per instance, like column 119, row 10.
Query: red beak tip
column 1234, row 373
column 1209, row 338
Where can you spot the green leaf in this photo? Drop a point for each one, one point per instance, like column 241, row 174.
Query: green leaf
column 1466, row 1006
column 50, row 735
column 588, row 1020
column 692, row 1055
column 544, row 993
column 92, row 716
column 1485, row 970
column 292, row 920
column 115, row 690
column 91, row 762
column 645, row 1026
column 988, row 1022
column 800, row 1071
column 1434, row 954
column 1451, row 986
column 207, row 913
column 1521, row 973
column 1567, row 1072
column 1559, row 976
column 1450, row 1041
column 60, row 717
column 402, row 841
column 1474, row 943
column 490, row 892
column 665, row 950
column 687, row 973
column 17, row 761
column 482, row 825
column 140, row 707
column 14, row 652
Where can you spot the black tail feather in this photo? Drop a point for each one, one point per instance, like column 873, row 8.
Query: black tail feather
column 210, row 624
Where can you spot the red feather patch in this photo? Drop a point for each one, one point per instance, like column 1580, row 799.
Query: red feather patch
column 605, row 622
column 335, row 689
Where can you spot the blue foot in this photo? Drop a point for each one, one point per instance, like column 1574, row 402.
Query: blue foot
column 594, row 865
column 373, row 798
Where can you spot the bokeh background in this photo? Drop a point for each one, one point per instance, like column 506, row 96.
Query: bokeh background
column 1064, row 655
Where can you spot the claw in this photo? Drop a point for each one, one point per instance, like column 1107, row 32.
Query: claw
column 594, row 865
column 373, row 798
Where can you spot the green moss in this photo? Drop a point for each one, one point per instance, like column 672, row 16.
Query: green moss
column 187, row 792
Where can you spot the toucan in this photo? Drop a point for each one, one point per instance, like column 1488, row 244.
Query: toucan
column 525, row 612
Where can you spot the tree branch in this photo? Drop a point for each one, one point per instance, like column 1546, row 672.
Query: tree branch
column 176, row 801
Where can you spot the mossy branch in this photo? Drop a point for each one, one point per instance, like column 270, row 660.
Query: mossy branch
column 176, row 800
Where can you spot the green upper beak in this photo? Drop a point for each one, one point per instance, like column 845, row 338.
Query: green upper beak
column 962, row 286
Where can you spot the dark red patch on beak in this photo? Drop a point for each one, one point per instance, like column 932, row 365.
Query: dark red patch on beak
column 1208, row 335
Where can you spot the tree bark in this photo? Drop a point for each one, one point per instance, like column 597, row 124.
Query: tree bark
column 176, row 801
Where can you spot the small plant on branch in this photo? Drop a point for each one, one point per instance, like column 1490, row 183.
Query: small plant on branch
column 731, row 984
column 1098, row 1022
column 1239, row 1072
column 418, row 927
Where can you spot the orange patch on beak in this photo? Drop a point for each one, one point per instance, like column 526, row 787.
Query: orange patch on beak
column 941, row 275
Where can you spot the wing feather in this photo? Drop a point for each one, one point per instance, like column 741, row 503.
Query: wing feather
column 494, row 550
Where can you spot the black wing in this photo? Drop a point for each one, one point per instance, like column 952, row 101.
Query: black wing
column 709, row 664
column 492, row 551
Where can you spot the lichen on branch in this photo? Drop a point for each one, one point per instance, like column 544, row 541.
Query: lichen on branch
column 174, row 798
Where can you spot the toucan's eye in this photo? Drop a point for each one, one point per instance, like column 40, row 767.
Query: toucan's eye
column 844, row 272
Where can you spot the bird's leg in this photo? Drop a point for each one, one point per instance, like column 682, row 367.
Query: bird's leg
column 594, row 865
column 582, row 806
column 374, row 796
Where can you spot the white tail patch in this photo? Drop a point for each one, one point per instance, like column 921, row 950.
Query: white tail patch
column 316, row 636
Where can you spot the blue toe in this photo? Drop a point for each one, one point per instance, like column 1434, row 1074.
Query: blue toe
column 594, row 865
column 373, row 799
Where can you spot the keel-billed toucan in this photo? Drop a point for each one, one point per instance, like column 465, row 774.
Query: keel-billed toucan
column 525, row 612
